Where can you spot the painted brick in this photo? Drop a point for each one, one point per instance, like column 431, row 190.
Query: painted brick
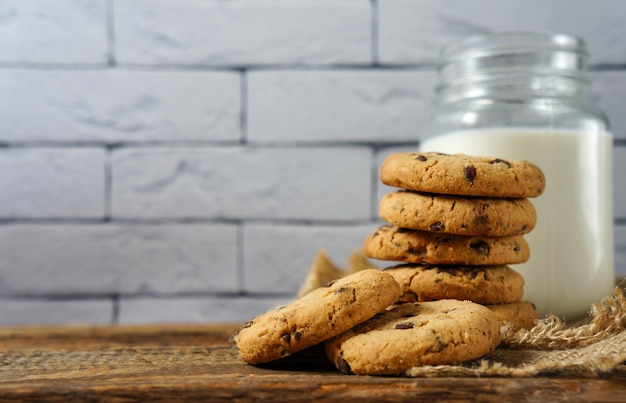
column 242, row 183
column 196, row 309
column 344, row 105
column 608, row 90
column 119, row 106
column 620, row 250
column 157, row 32
column 60, row 31
column 46, row 312
column 277, row 258
column 52, row 183
column 105, row 259
column 413, row 31
column 619, row 181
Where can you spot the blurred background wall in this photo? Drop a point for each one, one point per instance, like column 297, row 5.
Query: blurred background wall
column 184, row 160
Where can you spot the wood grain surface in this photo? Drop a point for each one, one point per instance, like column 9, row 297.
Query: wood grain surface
column 198, row 363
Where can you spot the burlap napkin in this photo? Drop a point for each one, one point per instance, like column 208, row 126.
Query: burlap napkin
column 592, row 348
column 589, row 348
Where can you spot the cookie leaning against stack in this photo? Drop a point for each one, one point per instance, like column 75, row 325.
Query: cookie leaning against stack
column 364, row 333
column 456, row 222
column 319, row 315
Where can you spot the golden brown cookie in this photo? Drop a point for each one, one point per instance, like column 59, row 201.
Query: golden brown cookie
column 461, row 174
column 416, row 334
column 390, row 242
column 317, row 316
column 480, row 284
column 519, row 315
column 457, row 214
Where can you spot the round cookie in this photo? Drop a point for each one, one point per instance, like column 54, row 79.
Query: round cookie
column 390, row 242
column 519, row 315
column 317, row 316
column 461, row 174
column 480, row 284
column 457, row 214
column 416, row 334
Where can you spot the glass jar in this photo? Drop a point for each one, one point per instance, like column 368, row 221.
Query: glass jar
column 524, row 96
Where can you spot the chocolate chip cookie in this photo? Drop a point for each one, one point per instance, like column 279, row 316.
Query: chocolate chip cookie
column 416, row 334
column 461, row 174
column 458, row 215
column 390, row 242
column 319, row 315
column 480, row 284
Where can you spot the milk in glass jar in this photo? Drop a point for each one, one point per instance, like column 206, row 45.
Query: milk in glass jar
column 524, row 96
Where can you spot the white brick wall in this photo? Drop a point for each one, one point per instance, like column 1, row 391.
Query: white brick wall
column 413, row 31
column 66, row 32
column 52, row 183
column 98, row 259
column 241, row 33
column 119, row 106
column 22, row 311
column 184, row 160
column 242, row 183
column 373, row 106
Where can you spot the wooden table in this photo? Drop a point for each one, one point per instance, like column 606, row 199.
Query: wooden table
column 197, row 362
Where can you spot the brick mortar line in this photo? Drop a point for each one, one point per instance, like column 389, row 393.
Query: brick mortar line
column 375, row 35
column 181, row 68
column 199, row 145
column 110, row 27
column 205, row 144
column 374, row 65
column 119, row 296
column 182, row 221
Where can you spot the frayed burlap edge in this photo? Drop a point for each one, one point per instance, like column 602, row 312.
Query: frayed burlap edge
column 590, row 349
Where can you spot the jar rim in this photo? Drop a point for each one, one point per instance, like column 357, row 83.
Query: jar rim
column 510, row 42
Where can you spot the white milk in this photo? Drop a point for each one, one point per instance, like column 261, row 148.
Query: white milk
column 571, row 256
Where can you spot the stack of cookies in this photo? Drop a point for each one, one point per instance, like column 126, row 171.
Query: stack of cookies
column 456, row 223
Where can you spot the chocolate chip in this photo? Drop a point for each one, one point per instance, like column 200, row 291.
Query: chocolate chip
column 474, row 274
column 248, row 324
column 524, row 227
column 440, row 345
column 330, row 283
column 469, row 173
column 499, row 161
column 406, row 325
column 297, row 335
column 516, row 248
column 481, row 220
column 286, row 337
column 436, row 226
column 421, row 158
column 340, row 290
column 343, row 365
column 403, row 230
column 480, row 247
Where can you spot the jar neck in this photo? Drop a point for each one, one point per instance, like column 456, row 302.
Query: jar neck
column 514, row 88
column 513, row 67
